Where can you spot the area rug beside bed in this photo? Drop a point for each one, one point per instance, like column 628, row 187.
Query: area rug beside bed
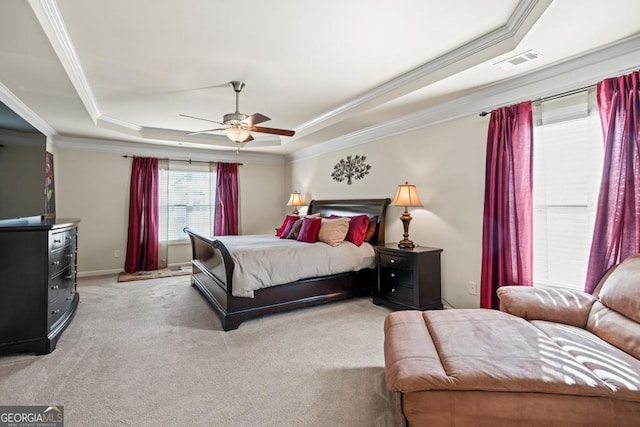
column 179, row 270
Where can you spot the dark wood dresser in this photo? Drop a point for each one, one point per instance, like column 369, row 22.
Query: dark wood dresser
column 408, row 278
column 38, row 279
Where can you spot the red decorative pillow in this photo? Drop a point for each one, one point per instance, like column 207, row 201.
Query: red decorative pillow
column 358, row 226
column 371, row 229
column 287, row 220
column 309, row 230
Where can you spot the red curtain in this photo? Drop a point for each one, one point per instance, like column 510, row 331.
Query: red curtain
column 225, row 221
column 142, row 241
column 617, row 228
column 507, row 232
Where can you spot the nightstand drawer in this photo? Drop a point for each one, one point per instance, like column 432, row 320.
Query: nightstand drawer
column 396, row 276
column 396, row 261
column 399, row 292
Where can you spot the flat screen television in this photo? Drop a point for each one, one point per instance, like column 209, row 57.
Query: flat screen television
column 22, row 167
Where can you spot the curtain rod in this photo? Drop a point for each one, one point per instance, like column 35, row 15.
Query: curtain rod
column 556, row 96
column 188, row 161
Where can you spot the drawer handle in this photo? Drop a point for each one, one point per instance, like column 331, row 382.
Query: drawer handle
column 69, row 255
column 55, row 263
column 393, row 275
column 70, row 276
column 56, row 241
column 393, row 261
column 67, row 238
column 69, row 298
column 54, row 287
column 55, row 311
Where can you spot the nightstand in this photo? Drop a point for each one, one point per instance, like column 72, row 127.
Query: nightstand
column 408, row 278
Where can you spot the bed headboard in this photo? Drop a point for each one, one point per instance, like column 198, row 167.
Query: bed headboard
column 352, row 207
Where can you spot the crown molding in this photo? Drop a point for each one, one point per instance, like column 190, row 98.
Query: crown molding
column 490, row 45
column 485, row 47
column 13, row 102
column 614, row 59
column 51, row 21
column 153, row 150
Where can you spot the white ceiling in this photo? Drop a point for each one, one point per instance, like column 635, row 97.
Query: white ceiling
column 124, row 70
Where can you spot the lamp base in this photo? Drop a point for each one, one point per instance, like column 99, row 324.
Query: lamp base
column 406, row 243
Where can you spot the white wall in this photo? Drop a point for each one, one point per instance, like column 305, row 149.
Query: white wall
column 94, row 186
column 446, row 163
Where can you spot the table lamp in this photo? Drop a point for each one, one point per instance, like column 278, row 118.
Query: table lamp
column 295, row 200
column 406, row 196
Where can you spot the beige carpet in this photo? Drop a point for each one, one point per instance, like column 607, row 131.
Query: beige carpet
column 183, row 270
column 153, row 353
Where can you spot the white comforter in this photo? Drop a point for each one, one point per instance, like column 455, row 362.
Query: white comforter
column 265, row 260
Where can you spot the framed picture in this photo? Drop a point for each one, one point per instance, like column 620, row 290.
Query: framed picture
column 49, row 188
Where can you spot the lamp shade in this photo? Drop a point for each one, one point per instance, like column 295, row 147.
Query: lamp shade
column 295, row 199
column 406, row 196
column 237, row 134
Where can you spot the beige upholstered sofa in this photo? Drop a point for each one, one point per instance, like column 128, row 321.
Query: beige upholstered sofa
column 549, row 357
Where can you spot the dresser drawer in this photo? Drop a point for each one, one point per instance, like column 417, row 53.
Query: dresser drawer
column 61, row 239
column 62, row 283
column 57, row 309
column 60, row 259
column 396, row 261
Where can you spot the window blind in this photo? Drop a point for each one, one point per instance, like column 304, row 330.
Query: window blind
column 187, row 198
column 567, row 168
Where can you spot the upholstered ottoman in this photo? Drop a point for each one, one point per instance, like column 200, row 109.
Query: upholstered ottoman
column 486, row 367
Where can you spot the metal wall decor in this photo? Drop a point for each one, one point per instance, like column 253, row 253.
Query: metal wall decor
column 351, row 167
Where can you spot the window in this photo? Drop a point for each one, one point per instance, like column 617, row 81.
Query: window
column 567, row 168
column 187, row 198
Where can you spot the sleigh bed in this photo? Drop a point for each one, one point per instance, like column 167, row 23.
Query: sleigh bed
column 213, row 269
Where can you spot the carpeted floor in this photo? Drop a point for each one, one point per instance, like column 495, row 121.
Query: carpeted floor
column 152, row 353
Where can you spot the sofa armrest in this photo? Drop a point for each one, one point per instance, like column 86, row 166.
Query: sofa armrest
column 559, row 305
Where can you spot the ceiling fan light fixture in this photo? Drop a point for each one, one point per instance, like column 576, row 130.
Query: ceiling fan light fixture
column 237, row 134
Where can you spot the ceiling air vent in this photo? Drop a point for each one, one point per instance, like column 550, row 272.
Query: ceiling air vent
column 519, row 59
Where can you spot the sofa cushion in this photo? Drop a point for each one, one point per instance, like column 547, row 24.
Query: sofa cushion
column 618, row 369
column 475, row 349
column 621, row 290
column 546, row 303
column 615, row 329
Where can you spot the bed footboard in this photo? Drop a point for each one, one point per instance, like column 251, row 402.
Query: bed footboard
column 212, row 258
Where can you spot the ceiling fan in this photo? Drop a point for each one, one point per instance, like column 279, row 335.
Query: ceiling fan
column 238, row 126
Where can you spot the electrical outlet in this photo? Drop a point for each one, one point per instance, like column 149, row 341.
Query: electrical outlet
column 116, row 253
column 473, row 288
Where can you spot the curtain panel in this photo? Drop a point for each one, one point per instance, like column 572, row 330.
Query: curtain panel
column 507, row 232
column 225, row 221
column 617, row 227
column 142, row 236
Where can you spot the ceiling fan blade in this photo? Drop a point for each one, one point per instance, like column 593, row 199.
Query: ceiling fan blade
column 274, row 131
column 249, row 138
column 256, row 118
column 205, row 131
column 200, row 118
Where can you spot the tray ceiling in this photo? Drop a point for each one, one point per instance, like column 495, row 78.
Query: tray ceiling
column 124, row 70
